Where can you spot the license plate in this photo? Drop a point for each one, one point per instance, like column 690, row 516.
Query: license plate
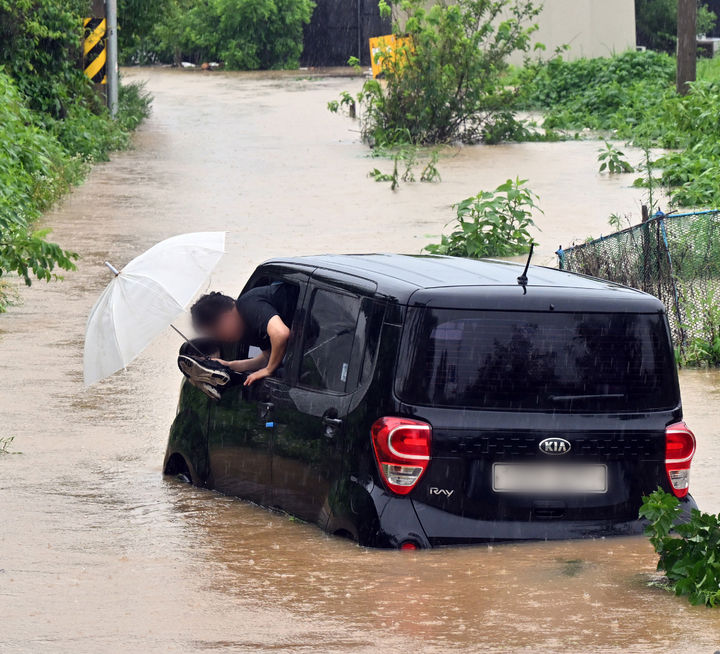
column 549, row 478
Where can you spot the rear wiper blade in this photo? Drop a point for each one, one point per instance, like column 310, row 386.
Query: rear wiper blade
column 599, row 396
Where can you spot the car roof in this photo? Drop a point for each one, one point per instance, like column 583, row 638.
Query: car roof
column 454, row 281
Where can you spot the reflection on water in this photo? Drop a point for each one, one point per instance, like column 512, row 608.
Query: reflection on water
column 99, row 553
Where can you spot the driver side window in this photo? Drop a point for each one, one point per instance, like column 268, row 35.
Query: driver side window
column 288, row 296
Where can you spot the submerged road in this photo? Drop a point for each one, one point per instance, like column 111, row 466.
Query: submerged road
column 99, row 553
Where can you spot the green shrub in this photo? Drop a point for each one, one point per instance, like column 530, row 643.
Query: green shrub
column 446, row 83
column 691, row 124
column 40, row 48
column 34, row 171
column 34, row 168
column 491, row 223
column 633, row 96
column 52, row 124
column 691, row 557
column 606, row 93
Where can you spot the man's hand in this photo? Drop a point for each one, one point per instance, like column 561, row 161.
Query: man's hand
column 260, row 374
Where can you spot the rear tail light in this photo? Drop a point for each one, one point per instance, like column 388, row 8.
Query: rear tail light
column 408, row 545
column 679, row 451
column 402, row 450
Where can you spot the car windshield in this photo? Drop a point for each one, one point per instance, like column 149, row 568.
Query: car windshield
column 576, row 362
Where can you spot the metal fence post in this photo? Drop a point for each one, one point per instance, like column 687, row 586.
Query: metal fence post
column 645, row 237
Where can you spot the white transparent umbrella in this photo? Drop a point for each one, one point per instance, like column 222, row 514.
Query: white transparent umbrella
column 144, row 298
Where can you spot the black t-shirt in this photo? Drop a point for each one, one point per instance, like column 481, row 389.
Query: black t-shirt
column 258, row 306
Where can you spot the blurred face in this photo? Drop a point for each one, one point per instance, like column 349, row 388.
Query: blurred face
column 228, row 328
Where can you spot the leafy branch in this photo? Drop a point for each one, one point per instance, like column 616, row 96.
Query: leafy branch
column 492, row 223
column 689, row 553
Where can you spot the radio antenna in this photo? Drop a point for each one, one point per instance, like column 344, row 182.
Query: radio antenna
column 523, row 279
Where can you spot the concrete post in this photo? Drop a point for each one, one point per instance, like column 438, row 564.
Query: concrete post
column 112, row 56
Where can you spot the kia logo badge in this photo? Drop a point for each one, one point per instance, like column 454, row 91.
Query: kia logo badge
column 554, row 446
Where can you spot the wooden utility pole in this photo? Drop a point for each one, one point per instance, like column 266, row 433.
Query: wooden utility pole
column 686, row 44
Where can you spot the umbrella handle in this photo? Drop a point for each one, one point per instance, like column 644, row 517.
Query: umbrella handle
column 189, row 342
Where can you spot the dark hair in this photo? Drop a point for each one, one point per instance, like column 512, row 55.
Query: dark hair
column 206, row 311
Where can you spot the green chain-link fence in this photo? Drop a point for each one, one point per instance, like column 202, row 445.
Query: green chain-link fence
column 675, row 257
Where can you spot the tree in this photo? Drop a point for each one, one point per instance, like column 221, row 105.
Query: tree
column 137, row 22
column 242, row 34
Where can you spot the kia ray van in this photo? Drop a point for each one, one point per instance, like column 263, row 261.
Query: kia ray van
column 427, row 401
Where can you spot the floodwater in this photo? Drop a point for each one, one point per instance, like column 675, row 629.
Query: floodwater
column 99, row 553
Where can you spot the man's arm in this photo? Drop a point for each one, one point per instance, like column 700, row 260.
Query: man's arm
column 268, row 361
column 279, row 333
column 247, row 365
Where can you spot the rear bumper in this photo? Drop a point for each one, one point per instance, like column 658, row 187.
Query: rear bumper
column 443, row 528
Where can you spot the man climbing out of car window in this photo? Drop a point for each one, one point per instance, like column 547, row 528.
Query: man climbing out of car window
column 259, row 318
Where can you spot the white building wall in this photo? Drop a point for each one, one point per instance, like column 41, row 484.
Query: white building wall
column 591, row 28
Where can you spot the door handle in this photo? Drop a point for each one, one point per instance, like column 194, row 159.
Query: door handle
column 265, row 409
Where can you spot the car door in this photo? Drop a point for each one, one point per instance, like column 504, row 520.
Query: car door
column 238, row 454
column 308, row 413
column 240, row 437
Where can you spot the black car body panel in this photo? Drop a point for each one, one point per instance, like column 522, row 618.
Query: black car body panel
column 300, row 441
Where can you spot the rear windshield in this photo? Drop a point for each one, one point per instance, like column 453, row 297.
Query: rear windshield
column 578, row 362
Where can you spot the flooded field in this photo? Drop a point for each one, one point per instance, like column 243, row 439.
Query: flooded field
column 99, row 553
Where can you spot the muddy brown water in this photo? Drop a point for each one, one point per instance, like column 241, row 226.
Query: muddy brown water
column 99, row 553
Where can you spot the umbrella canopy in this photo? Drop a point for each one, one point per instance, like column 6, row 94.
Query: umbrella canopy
column 145, row 297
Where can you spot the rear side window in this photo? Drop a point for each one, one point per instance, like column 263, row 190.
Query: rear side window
column 328, row 340
column 559, row 362
column 367, row 338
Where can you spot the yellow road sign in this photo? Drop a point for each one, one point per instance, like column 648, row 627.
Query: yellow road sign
column 94, row 49
column 388, row 51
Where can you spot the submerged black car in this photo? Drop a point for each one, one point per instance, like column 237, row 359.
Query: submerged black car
column 427, row 401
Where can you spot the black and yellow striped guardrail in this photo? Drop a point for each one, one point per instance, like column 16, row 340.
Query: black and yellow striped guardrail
column 94, row 49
